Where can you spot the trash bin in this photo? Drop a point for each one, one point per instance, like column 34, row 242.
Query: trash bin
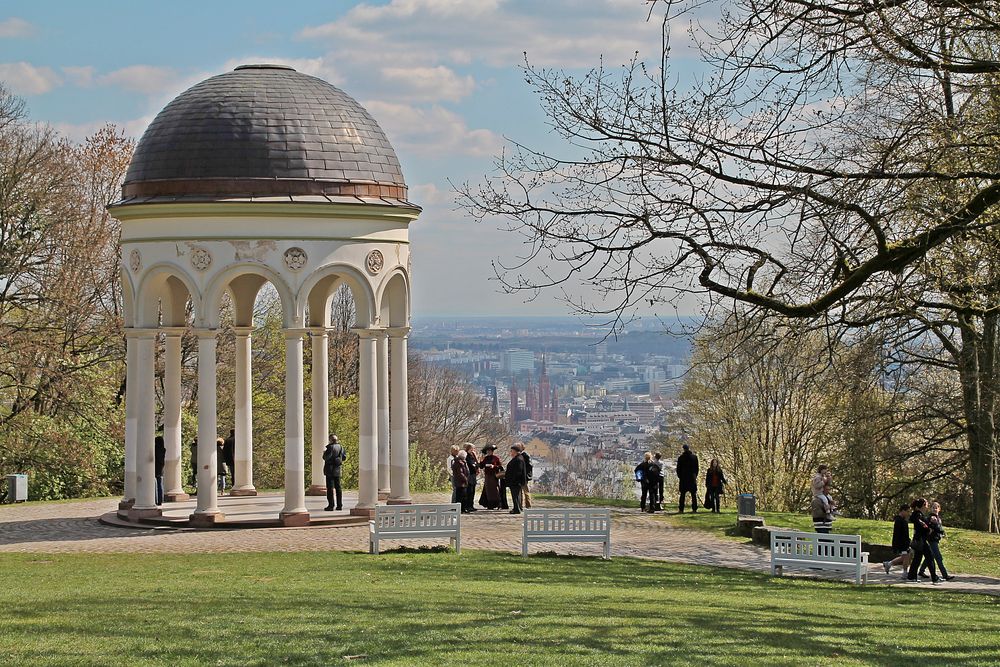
column 17, row 488
column 746, row 503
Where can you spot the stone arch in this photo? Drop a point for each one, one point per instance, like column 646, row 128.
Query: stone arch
column 318, row 290
column 244, row 281
column 168, row 285
column 394, row 299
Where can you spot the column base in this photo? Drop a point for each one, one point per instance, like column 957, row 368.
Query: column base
column 125, row 505
column 175, row 497
column 363, row 511
column 399, row 501
column 383, row 495
column 206, row 519
column 247, row 492
column 316, row 490
column 146, row 513
column 289, row 519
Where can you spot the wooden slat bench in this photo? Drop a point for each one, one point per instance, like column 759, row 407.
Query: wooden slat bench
column 404, row 522
column 818, row 551
column 567, row 525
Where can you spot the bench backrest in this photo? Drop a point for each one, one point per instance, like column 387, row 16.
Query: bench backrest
column 816, row 546
column 417, row 517
column 568, row 521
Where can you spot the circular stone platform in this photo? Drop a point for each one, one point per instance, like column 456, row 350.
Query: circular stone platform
column 243, row 512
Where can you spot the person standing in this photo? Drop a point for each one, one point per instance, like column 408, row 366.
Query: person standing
column 934, row 540
column 528, row 471
column 450, row 467
column 472, row 462
column 460, row 480
column 194, row 462
column 333, row 461
column 687, row 475
column 229, row 453
column 715, row 480
column 492, row 466
column 658, row 460
column 515, row 476
column 642, row 476
column 920, row 542
column 655, row 473
column 221, row 467
column 159, row 458
column 900, row 540
column 822, row 503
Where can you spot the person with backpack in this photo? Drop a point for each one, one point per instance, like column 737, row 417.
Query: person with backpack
column 920, row 542
column 333, row 460
column 655, row 474
column 642, row 476
column 934, row 541
column 687, row 475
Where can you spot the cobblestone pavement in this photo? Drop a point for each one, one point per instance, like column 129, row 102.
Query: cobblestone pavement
column 73, row 528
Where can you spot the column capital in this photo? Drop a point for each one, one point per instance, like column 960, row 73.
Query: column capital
column 319, row 331
column 398, row 332
column 243, row 331
column 141, row 332
column 295, row 332
column 370, row 332
column 174, row 331
column 206, row 333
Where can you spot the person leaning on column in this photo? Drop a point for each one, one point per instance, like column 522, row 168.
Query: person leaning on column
column 333, row 459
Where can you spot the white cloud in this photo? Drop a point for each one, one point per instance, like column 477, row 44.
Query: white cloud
column 27, row 79
column 82, row 76
column 429, row 194
column 433, row 131
column 15, row 27
column 146, row 79
column 80, row 131
column 320, row 67
column 427, row 83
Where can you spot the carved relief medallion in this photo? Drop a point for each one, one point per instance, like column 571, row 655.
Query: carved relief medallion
column 135, row 261
column 375, row 261
column 295, row 259
column 201, row 259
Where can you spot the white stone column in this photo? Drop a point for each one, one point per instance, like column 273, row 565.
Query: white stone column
column 367, row 422
column 131, row 417
column 243, row 475
column 173, row 484
column 145, row 463
column 399, row 471
column 207, row 510
column 382, row 351
column 294, row 512
column 320, row 407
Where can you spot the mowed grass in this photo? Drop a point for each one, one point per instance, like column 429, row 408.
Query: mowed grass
column 475, row 609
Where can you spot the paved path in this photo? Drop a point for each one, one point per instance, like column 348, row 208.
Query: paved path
column 73, row 528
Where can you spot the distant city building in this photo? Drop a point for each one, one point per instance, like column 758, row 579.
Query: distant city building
column 514, row 361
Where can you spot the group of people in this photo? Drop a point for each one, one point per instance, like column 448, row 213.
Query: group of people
column 649, row 474
column 464, row 467
column 923, row 551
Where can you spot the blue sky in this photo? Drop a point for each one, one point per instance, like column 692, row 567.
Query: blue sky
column 440, row 76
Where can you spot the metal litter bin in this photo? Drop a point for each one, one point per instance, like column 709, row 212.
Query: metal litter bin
column 17, row 488
column 746, row 503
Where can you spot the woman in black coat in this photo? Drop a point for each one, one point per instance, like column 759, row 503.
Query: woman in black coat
column 715, row 480
column 920, row 542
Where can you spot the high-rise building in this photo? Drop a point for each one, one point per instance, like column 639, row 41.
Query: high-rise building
column 515, row 360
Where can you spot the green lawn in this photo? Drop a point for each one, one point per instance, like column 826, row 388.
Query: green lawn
column 476, row 609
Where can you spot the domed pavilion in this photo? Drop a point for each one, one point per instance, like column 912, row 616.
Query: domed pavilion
column 264, row 175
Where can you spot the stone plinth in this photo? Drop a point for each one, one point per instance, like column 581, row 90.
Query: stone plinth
column 175, row 497
column 243, row 492
column 745, row 524
column 206, row 519
column 140, row 514
column 291, row 519
column 316, row 490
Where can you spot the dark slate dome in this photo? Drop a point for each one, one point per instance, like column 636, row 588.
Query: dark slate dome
column 263, row 131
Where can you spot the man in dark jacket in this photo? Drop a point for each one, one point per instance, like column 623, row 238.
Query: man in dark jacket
column 472, row 463
column 333, row 461
column 687, row 474
column 516, row 477
column 160, row 457
column 900, row 540
column 229, row 455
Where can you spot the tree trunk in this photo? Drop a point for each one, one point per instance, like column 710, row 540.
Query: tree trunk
column 977, row 368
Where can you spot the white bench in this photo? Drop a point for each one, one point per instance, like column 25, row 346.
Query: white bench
column 818, row 551
column 567, row 525
column 403, row 522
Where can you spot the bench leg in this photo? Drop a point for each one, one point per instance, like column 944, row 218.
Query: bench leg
column 607, row 550
column 373, row 546
column 456, row 543
column 524, row 549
